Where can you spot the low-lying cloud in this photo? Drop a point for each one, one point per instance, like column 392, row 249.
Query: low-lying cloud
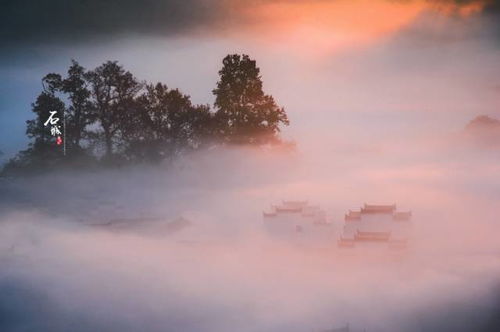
column 224, row 272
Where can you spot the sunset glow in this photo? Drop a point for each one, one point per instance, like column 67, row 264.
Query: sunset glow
column 250, row 166
column 322, row 27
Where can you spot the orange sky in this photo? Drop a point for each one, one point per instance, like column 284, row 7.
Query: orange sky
column 320, row 26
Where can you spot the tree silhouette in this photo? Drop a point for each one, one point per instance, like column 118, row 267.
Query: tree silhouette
column 80, row 112
column 108, row 107
column 164, row 123
column 41, row 153
column 244, row 113
column 112, row 91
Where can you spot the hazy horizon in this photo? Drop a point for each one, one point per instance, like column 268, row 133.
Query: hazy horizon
column 379, row 94
column 424, row 68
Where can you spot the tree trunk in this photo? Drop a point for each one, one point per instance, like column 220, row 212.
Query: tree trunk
column 79, row 129
column 107, row 138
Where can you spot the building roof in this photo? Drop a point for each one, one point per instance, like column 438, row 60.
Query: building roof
column 372, row 236
column 353, row 215
column 369, row 208
column 288, row 209
column 371, row 233
column 296, row 211
column 376, row 224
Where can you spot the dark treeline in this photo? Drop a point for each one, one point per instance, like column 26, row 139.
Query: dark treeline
column 112, row 118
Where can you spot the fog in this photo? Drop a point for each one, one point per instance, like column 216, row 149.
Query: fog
column 224, row 272
column 376, row 118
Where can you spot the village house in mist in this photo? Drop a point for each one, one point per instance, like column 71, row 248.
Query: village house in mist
column 250, row 166
column 376, row 225
column 300, row 221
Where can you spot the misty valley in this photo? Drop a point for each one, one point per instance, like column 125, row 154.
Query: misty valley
column 249, row 166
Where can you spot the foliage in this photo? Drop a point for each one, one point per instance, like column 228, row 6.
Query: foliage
column 245, row 114
column 110, row 117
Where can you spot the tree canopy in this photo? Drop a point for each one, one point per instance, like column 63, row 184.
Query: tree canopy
column 244, row 113
column 106, row 115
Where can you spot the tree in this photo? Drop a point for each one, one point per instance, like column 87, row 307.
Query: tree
column 79, row 113
column 244, row 113
column 112, row 92
column 164, row 123
column 109, row 107
column 189, row 124
column 38, row 130
column 43, row 151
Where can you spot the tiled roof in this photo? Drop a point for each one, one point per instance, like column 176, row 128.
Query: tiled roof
column 368, row 208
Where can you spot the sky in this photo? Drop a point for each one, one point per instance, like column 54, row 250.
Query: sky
column 413, row 66
column 379, row 94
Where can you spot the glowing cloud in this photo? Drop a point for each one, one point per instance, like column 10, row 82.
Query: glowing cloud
column 320, row 27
